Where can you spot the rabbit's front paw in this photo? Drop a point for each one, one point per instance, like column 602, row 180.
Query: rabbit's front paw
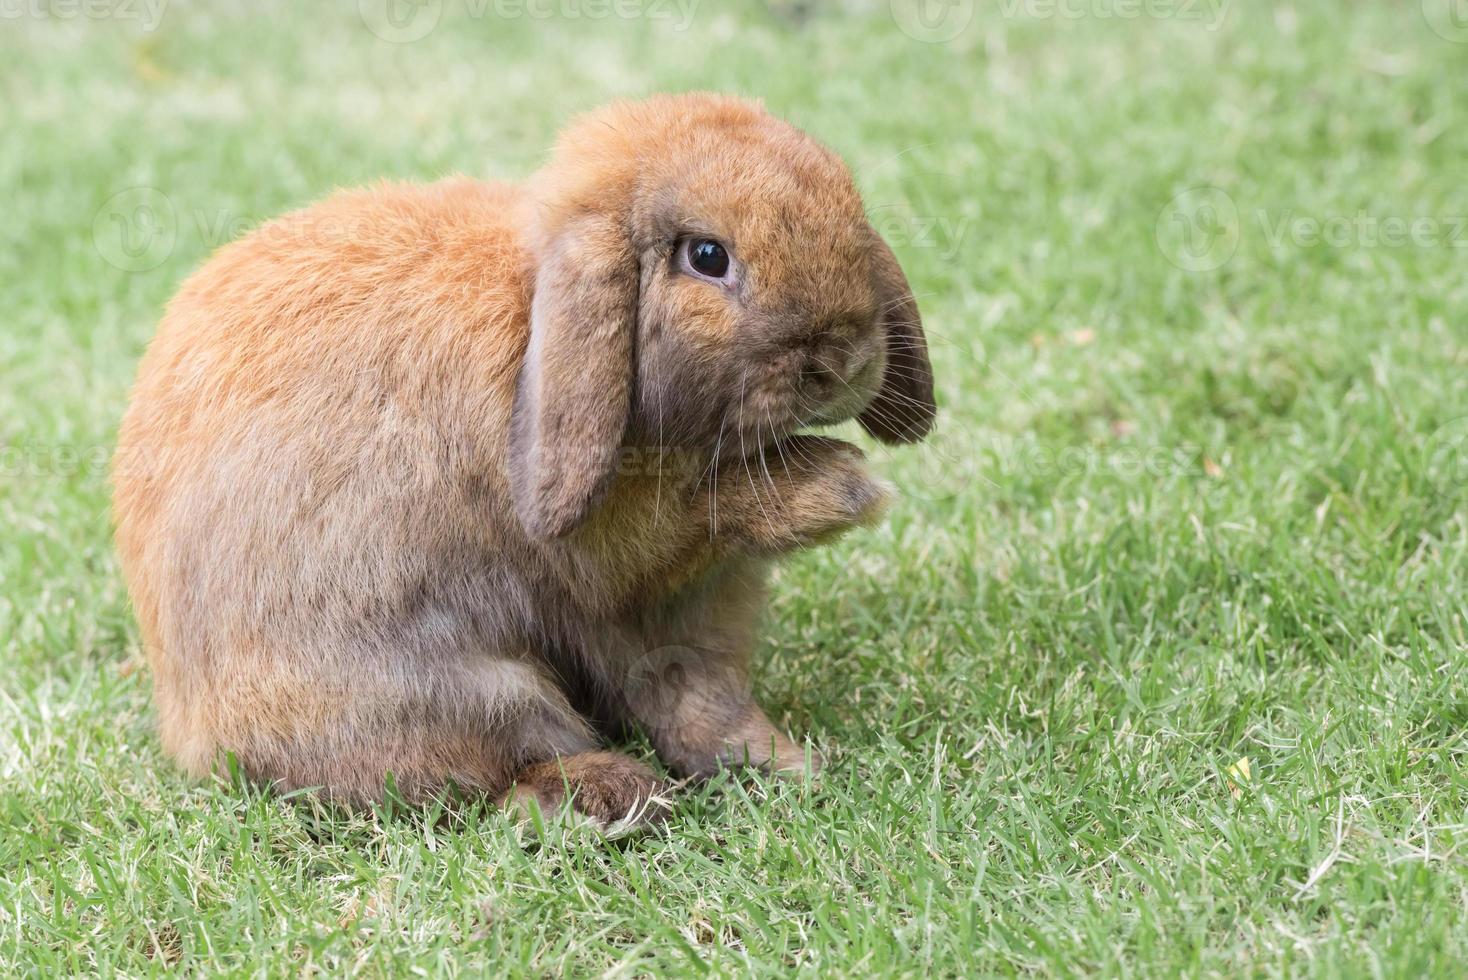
column 805, row 490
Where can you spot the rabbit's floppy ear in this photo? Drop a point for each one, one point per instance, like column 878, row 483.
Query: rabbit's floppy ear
column 903, row 409
column 574, row 394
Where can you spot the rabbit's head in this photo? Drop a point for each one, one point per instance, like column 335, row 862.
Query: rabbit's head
column 705, row 279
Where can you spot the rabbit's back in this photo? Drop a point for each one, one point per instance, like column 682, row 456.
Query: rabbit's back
column 399, row 281
column 315, row 438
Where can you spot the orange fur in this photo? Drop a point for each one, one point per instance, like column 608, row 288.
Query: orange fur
column 368, row 494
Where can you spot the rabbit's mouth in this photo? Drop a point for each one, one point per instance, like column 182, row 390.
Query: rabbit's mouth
column 787, row 402
column 825, row 416
column 844, row 399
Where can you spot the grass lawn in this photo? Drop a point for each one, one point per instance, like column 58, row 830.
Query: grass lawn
column 1196, row 284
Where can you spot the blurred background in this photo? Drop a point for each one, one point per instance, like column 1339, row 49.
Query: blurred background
column 1097, row 198
column 1193, row 273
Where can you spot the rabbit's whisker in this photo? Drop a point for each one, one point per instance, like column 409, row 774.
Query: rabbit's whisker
column 763, row 461
column 657, row 502
column 780, row 448
column 714, row 479
column 744, row 452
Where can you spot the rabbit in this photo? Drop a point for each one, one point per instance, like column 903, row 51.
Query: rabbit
column 433, row 487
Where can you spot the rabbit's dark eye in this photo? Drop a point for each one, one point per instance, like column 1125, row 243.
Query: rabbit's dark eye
column 707, row 257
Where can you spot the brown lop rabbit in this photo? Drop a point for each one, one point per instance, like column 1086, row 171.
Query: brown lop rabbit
column 434, row 483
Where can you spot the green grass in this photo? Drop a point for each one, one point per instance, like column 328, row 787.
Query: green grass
column 1186, row 507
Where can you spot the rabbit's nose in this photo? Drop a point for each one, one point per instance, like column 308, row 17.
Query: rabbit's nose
column 822, row 368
